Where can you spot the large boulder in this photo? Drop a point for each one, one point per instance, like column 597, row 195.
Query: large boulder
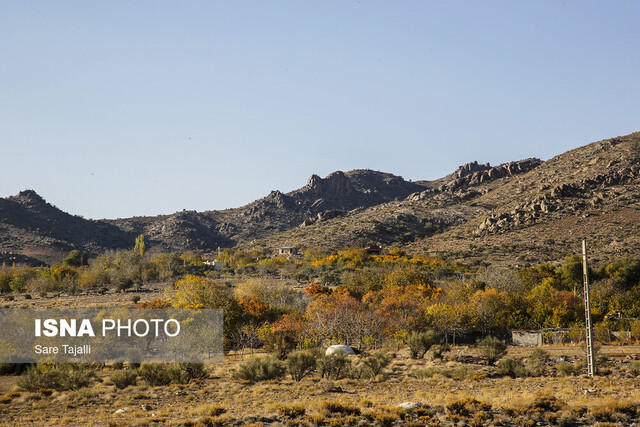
column 409, row 406
column 339, row 350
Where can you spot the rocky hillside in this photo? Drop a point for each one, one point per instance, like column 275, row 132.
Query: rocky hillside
column 515, row 213
column 32, row 231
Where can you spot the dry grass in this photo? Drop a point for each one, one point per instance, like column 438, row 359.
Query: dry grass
column 222, row 399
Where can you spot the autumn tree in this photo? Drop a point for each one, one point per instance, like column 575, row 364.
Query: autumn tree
column 339, row 318
column 193, row 292
column 167, row 265
column 450, row 319
column 625, row 273
column 402, row 308
column 285, row 334
column 277, row 295
column 139, row 251
column 533, row 276
column 552, row 308
column 489, row 308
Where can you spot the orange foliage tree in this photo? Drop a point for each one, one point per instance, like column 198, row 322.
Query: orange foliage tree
column 342, row 319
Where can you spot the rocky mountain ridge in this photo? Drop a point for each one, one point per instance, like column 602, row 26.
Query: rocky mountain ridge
column 474, row 213
column 41, row 233
column 523, row 212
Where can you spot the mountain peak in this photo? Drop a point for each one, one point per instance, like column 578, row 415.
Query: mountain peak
column 469, row 168
column 28, row 197
column 334, row 184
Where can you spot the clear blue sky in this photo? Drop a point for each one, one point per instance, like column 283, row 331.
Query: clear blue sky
column 120, row 108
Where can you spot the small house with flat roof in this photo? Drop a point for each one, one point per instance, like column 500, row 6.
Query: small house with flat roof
column 286, row 251
column 373, row 249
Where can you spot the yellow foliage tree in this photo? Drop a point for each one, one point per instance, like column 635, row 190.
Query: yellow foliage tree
column 198, row 292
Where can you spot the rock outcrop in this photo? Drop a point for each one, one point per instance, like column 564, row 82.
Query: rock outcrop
column 474, row 174
column 572, row 195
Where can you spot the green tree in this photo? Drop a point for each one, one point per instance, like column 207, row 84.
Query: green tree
column 140, row 248
column 625, row 273
column 76, row 258
column 571, row 273
column 533, row 276
column 139, row 251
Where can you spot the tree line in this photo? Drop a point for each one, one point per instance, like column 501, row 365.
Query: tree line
column 349, row 296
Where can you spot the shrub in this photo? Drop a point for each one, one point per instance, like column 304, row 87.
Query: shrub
column 339, row 408
column 124, row 283
column 601, row 332
column 13, row 368
column 77, row 376
column 625, row 407
column 193, row 371
column 291, row 411
column 68, row 377
column 377, row 362
column 333, row 366
column 517, row 368
column 539, row 354
column 426, row 372
column 634, row 368
column 420, row 342
column 459, row 373
column 133, row 358
column 301, row 363
column 512, row 367
column 535, row 367
column 466, row 407
column 546, row 404
column 124, row 379
column 440, row 349
column 212, row 410
column 260, row 369
column 603, row 414
column 384, row 419
column 492, row 349
column 161, row 374
column 5, row 280
column 568, row 369
column 117, row 365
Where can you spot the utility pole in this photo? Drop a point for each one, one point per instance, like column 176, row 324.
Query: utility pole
column 587, row 311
